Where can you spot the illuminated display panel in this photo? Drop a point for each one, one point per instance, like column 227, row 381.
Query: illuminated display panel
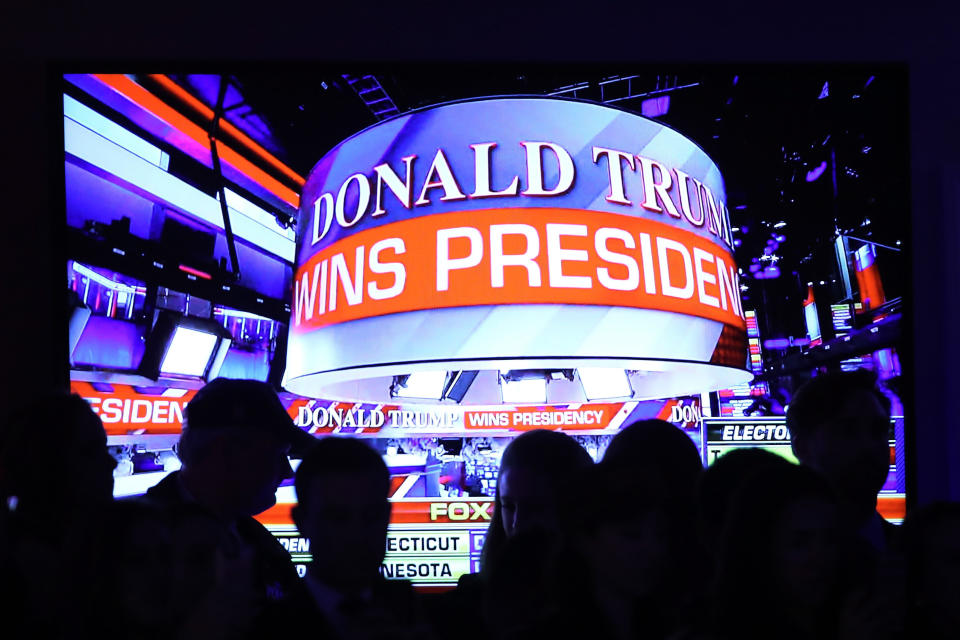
column 842, row 316
column 441, row 502
column 738, row 401
column 676, row 260
column 535, row 231
column 813, row 322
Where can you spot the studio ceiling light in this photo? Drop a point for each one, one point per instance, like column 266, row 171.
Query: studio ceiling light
column 603, row 383
column 425, row 385
column 184, row 346
column 523, row 387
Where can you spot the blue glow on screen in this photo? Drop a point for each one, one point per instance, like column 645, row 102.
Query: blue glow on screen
column 250, row 365
column 110, row 344
column 817, row 171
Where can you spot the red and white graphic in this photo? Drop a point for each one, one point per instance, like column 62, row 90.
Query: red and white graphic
column 868, row 278
column 123, row 410
column 517, row 256
column 515, row 234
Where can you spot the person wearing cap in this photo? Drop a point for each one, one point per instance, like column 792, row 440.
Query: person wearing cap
column 234, row 451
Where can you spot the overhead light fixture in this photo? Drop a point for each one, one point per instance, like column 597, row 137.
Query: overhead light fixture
column 604, row 383
column 424, row 385
column 458, row 385
column 188, row 352
column 180, row 345
column 523, row 387
column 780, row 225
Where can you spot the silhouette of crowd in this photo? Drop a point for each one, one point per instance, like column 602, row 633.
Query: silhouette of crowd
column 645, row 543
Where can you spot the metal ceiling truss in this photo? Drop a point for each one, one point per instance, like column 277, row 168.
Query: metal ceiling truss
column 372, row 93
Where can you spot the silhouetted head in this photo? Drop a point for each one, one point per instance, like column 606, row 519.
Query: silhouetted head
column 633, row 514
column 54, row 459
column 931, row 539
column 536, row 469
column 839, row 424
column 342, row 489
column 720, row 483
column 234, row 446
column 623, row 529
column 780, row 551
column 665, row 453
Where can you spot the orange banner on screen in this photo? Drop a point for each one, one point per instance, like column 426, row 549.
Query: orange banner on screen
column 469, row 511
column 586, row 417
column 517, row 256
column 479, row 511
column 125, row 410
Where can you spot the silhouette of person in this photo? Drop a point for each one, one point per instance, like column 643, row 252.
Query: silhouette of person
column 839, row 425
column 637, row 530
column 234, row 446
column 342, row 489
column 80, row 454
column 785, row 549
column 780, row 552
column 537, row 469
column 931, row 539
column 663, row 448
column 56, row 478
